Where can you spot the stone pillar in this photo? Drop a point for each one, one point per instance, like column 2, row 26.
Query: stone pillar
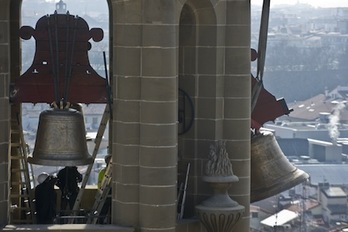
column 5, row 109
column 126, row 82
column 145, row 114
column 237, row 101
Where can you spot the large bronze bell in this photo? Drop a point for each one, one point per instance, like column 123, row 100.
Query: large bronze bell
column 271, row 171
column 61, row 139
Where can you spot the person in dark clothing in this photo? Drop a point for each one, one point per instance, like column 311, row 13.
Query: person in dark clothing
column 68, row 178
column 45, row 199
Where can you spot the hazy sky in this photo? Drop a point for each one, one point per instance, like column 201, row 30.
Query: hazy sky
column 316, row 3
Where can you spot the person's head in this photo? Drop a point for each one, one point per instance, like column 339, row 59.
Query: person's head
column 42, row 177
column 107, row 158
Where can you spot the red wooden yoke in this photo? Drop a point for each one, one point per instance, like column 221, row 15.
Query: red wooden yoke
column 61, row 68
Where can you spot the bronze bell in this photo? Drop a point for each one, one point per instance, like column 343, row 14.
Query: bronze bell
column 271, row 171
column 61, row 139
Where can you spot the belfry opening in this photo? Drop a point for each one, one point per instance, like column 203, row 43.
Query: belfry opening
column 165, row 99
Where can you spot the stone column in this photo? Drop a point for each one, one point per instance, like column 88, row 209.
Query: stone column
column 5, row 109
column 237, row 101
column 145, row 123
column 126, row 82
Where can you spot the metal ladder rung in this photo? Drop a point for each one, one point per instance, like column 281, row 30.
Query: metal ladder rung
column 22, row 209
column 99, row 191
column 18, row 157
column 20, row 192
column 102, row 193
column 16, row 195
column 15, row 145
column 18, row 183
column 15, row 170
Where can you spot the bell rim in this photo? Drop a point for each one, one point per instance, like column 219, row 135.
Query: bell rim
column 299, row 177
column 67, row 162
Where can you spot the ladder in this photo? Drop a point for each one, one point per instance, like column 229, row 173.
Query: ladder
column 22, row 178
column 182, row 194
column 98, row 140
column 101, row 195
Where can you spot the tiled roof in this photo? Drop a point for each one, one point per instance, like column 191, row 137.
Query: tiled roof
column 309, row 204
column 334, row 174
column 335, row 192
column 294, row 146
column 311, row 108
column 267, row 205
column 343, row 93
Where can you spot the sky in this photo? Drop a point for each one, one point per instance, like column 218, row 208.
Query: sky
column 315, row 3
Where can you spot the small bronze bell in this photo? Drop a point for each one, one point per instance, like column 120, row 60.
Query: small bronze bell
column 271, row 171
column 61, row 139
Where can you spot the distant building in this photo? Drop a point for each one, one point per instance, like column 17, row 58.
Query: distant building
column 319, row 118
column 282, row 219
column 317, row 205
column 320, row 107
column 61, row 7
column 334, row 203
column 332, row 174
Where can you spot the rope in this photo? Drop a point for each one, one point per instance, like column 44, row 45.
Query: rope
column 67, row 23
column 261, row 53
column 107, row 85
column 263, row 39
column 69, row 61
column 54, row 53
column 54, row 71
column 57, row 57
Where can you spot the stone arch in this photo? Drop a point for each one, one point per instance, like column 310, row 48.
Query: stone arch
column 203, row 84
column 13, row 12
column 198, row 77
